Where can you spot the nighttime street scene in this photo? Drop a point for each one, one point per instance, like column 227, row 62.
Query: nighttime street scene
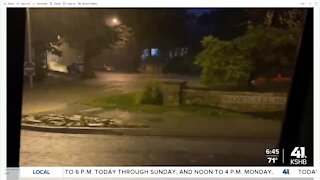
column 135, row 87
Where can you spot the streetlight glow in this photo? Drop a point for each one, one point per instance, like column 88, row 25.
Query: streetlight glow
column 115, row 20
column 112, row 21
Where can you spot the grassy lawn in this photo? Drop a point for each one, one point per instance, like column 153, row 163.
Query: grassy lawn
column 130, row 102
column 220, row 122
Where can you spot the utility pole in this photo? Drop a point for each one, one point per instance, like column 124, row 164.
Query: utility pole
column 30, row 68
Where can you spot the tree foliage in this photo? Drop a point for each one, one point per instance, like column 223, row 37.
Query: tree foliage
column 161, row 28
column 261, row 50
column 221, row 61
column 83, row 29
column 225, row 24
column 154, row 28
column 270, row 50
column 279, row 18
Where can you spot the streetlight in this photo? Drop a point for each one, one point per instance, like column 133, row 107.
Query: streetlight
column 112, row 21
column 115, row 20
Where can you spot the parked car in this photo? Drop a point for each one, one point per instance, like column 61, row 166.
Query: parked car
column 75, row 68
column 278, row 79
column 104, row 68
column 108, row 68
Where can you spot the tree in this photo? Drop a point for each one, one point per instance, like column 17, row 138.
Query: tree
column 278, row 18
column 42, row 33
column 120, row 55
column 225, row 24
column 262, row 49
column 270, row 50
column 221, row 62
column 83, row 29
column 154, row 28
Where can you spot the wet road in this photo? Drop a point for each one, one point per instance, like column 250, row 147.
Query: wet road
column 50, row 149
column 60, row 89
column 130, row 81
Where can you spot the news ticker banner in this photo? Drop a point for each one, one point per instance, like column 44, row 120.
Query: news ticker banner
column 161, row 172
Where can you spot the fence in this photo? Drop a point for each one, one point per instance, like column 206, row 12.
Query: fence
column 177, row 93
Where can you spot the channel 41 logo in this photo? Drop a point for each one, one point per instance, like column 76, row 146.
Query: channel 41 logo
column 299, row 154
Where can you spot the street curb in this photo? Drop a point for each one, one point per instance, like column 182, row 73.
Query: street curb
column 131, row 131
column 114, row 131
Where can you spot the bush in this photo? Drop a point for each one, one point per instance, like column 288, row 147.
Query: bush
column 221, row 63
column 152, row 94
column 260, row 49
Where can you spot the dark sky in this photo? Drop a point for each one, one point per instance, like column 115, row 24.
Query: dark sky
column 199, row 11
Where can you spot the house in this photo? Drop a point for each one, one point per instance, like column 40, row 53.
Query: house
column 153, row 59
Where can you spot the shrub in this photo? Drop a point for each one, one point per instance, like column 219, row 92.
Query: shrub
column 152, row 94
column 260, row 49
column 222, row 63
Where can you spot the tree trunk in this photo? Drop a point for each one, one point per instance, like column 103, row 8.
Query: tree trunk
column 40, row 71
column 136, row 60
column 251, row 77
column 136, row 57
column 88, row 72
column 275, row 21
